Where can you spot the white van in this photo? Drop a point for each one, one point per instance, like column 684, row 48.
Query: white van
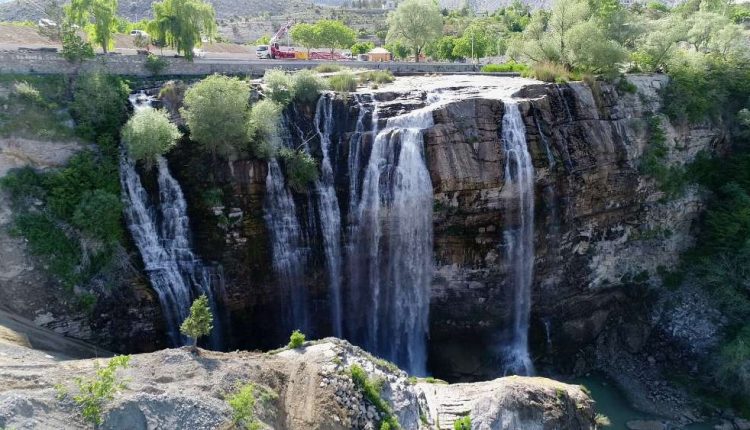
column 263, row 52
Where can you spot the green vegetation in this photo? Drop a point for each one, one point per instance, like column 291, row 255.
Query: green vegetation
column 149, row 134
column 463, row 423
column 74, row 48
column 671, row 179
column 263, row 128
column 215, row 110
column 371, row 390
column 181, row 23
column 94, row 393
column 32, row 108
column 328, row 33
column 328, row 68
column 100, row 106
column 200, row 321
column 279, row 86
column 101, row 14
column 296, row 339
column 155, row 64
column 376, row 76
column 344, row 82
column 362, row 48
column 242, row 403
column 506, row 67
column 300, row 167
column 415, row 23
column 307, row 86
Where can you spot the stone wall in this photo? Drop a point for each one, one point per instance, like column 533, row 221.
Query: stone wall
column 133, row 65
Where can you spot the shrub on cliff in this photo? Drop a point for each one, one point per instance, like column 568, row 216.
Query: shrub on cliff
column 300, row 167
column 279, row 86
column 155, row 64
column 463, row 423
column 100, row 105
column 343, row 82
column 296, row 339
column 307, row 86
column 215, row 110
column 148, row 135
column 263, row 128
column 99, row 214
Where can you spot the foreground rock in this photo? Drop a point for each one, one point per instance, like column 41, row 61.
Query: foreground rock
column 307, row 388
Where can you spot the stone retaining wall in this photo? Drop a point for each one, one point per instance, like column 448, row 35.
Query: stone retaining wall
column 133, row 65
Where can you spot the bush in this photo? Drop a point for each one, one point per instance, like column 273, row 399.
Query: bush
column 550, row 72
column 280, row 86
column 74, row 48
column 263, row 129
column 344, row 82
column 149, row 134
column 510, row 66
column 377, row 76
column 242, row 403
column 155, row 64
column 463, row 423
column 27, row 92
column 307, row 86
column 296, row 339
column 100, row 105
column 300, row 167
column 671, row 179
column 96, row 392
column 215, row 110
column 625, row 86
column 371, row 390
column 99, row 214
column 172, row 95
column 328, row 68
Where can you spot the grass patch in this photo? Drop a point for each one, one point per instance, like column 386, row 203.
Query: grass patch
column 376, row 76
column 344, row 82
column 510, row 66
column 328, row 68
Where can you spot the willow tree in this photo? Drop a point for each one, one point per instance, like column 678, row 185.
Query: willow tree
column 181, row 23
column 415, row 23
column 101, row 13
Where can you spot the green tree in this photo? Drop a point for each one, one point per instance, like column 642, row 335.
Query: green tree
column 263, row 40
column 362, row 48
column 399, row 50
column 181, row 23
column 148, row 135
column 475, row 42
column 200, row 321
column 102, row 14
column 95, row 392
column 443, row 48
column 306, row 35
column 415, row 23
column 334, row 34
column 263, row 127
column 215, row 110
column 296, row 339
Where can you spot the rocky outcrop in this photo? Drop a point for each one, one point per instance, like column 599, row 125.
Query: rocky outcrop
column 306, row 388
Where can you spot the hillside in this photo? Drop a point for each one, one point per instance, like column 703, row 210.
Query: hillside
column 20, row 10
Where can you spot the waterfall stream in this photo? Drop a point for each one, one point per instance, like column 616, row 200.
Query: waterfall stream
column 162, row 235
column 393, row 244
column 519, row 240
column 328, row 206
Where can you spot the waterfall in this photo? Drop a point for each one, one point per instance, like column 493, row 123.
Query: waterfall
column 288, row 247
column 519, row 239
column 329, row 213
column 392, row 250
column 162, row 235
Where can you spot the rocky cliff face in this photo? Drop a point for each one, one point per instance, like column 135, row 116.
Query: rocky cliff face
column 603, row 229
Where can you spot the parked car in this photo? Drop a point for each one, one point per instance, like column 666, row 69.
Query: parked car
column 199, row 53
column 47, row 23
column 139, row 33
column 263, row 52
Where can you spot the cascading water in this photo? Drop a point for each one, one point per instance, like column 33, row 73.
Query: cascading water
column 392, row 251
column 519, row 240
column 288, row 247
column 162, row 236
column 328, row 207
